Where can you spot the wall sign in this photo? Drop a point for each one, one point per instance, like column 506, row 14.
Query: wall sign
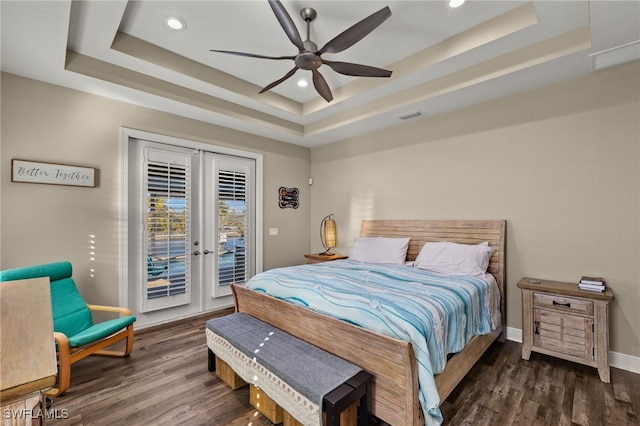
column 288, row 198
column 52, row 174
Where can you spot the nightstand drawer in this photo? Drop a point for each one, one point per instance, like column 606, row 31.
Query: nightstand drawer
column 563, row 304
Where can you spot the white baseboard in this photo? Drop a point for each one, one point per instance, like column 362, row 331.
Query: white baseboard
column 514, row 334
column 624, row 362
column 616, row 359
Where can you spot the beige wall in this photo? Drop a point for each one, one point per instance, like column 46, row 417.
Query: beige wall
column 561, row 165
column 46, row 223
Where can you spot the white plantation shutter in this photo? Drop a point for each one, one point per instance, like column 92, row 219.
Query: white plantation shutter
column 167, row 181
column 233, row 224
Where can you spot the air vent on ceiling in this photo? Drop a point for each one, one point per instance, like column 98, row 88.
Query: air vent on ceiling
column 410, row 114
column 615, row 56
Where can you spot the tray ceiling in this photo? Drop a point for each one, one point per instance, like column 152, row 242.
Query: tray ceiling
column 442, row 59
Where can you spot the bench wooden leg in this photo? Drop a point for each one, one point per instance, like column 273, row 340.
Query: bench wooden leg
column 227, row 375
column 336, row 401
column 357, row 389
column 361, row 382
column 211, row 365
column 265, row 405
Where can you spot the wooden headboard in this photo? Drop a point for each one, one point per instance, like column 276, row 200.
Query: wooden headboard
column 456, row 231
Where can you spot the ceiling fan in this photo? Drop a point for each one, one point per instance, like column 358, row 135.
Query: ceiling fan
column 309, row 56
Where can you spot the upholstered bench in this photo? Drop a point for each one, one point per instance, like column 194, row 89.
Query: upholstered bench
column 302, row 379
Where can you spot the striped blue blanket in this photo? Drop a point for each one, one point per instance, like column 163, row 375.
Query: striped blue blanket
column 438, row 314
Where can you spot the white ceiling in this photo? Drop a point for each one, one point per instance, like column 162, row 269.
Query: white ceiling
column 442, row 59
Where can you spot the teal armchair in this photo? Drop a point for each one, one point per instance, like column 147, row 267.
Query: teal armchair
column 75, row 333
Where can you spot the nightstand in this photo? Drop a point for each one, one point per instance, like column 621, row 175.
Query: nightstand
column 560, row 320
column 317, row 258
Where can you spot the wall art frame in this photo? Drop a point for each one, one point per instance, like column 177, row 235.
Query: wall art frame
column 40, row 172
column 288, row 198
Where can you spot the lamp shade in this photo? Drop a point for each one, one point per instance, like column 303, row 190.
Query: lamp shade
column 328, row 234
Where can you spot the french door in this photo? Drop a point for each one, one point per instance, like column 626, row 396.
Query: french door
column 192, row 233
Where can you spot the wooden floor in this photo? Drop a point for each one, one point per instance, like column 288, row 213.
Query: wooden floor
column 165, row 382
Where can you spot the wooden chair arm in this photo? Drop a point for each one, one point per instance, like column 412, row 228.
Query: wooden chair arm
column 102, row 308
column 61, row 338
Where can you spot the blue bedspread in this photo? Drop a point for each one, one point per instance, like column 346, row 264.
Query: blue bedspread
column 438, row 314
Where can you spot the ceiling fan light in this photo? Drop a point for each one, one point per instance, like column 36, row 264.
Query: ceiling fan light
column 456, row 3
column 174, row 23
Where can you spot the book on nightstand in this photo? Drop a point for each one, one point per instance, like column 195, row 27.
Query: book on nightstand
column 591, row 283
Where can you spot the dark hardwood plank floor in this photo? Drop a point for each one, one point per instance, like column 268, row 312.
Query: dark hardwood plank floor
column 165, row 382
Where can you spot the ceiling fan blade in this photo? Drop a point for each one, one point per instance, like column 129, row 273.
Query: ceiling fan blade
column 321, row 86
column 251, row 55
column 275, row 83
column 287, row 23
column 357, row 70
column 356, row 32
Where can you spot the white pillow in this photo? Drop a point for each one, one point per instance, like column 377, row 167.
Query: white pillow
column 454, row 259
column 379, row 250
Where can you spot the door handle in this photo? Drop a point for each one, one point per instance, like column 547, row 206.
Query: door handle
column 207, row 251
column 195, row 253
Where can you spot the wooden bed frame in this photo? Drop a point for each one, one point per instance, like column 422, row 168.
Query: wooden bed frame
column 392, row 363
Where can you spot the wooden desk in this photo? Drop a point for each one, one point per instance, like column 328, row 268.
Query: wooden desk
column 27, row 349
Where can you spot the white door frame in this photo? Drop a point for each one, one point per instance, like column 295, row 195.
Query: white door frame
column 126, row 134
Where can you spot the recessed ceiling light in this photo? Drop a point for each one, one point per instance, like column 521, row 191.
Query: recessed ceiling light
column 174, row 23
column 456, row 3
column 303, row 83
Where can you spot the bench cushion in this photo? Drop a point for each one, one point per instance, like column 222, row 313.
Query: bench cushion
column 274, row 360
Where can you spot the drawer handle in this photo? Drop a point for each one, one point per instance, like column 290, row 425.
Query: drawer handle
column 568, row 305
column 536, row 324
